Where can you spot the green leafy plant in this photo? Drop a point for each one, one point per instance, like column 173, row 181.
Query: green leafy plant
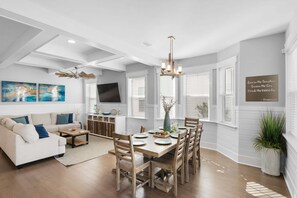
column 202, row 110
column 272, row 126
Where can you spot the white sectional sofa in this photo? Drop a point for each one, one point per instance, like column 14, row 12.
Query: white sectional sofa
column 22, row 152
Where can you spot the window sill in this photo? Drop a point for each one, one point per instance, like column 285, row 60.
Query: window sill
column 139, row 118
column 227, row 125
column 292, row 140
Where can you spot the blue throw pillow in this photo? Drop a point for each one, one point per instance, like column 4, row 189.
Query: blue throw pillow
column 62, row 119
column 41, row 131
column 23, row 120
column 70, row 120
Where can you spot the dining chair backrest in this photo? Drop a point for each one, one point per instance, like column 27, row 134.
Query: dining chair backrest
column 180, row 148
column 123, row 147
column 191, row 142
column 191, row 122
column 142, row 129
column 199, row 131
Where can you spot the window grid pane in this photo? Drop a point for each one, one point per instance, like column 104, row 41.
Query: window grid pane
column 167, row 89
column 197, row 95
column 136, row 96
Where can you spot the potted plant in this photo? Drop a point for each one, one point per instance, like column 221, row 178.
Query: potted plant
column 167, row 105
column 270, row 142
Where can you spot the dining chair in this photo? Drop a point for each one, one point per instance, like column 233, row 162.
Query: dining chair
column 172, row 162
column 197, row 147
column 142, row 129
column 129, row 162
column 191, row 122
column 190, row 151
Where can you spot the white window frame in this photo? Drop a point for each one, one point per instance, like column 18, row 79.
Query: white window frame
column 139, row 74
column 159, row 95
column 221, row 92
column 195, row 70
column 209, row 72
column 88, row 98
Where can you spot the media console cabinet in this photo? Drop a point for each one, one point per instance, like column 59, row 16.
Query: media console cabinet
column 105, row 125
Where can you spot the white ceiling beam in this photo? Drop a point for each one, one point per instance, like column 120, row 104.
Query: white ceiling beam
column 55, row 67
column 36, row 60
column 110, row 66
column 52, row 56
column 69, row 27
column 23, row 47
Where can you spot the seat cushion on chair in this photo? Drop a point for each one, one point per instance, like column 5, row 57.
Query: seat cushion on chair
column 140, row 161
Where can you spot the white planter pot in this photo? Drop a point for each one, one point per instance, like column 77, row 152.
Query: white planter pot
column 270, row 161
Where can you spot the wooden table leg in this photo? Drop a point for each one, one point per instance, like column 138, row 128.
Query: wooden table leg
column 73, row 141
column 87, row 138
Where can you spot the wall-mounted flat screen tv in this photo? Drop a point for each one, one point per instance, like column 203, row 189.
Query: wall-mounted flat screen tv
column 109, row 92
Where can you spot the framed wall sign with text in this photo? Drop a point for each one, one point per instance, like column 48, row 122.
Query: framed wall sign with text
column 262, row 88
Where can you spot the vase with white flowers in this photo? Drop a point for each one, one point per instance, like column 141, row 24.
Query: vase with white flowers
column 168, row 103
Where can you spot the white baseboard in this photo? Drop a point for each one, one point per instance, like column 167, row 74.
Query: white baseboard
column 290, row 185
column 228, row 153
column 250, row 161
column 209, row 145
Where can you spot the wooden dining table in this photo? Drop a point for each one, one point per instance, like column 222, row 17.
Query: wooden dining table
column 153, row 149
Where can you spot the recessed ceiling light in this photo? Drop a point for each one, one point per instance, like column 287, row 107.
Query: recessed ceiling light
column 71, row 41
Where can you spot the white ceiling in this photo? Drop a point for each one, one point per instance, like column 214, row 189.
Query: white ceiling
column 110, row 34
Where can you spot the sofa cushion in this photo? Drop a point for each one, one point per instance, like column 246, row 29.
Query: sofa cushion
column 23, row 119
column 9, row 123
column 3, row 120
column 26, row 131
column 69, row 126
column 27, row 117
column 70, row 120
column 41, row 119
column 41, row 131
column 62, row 118
column 51, row 128
column 54, row 118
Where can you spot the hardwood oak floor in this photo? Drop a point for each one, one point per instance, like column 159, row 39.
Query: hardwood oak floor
column 218, row 176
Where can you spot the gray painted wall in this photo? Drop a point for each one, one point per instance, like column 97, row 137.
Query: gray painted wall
column 111, row 77
column 228, row 52
column 262, row 56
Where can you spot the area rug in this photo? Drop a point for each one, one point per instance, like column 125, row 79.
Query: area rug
column 97, row 147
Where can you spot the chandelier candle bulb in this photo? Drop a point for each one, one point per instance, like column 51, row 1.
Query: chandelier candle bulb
column 168, row 68
column 163, row 66
column 180, row 69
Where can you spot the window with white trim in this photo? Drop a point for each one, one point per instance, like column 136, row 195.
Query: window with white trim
column 91, row 96
column 197, row 95
column 226, row 90
column 167, row 89
column 291, row 103
column 136, row 96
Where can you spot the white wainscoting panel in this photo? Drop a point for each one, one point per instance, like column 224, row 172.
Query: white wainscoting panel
column 248, row 130
column 227, row 141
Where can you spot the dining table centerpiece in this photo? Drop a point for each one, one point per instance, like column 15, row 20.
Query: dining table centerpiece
column 167, row 105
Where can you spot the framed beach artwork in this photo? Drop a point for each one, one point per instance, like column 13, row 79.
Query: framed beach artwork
column 18, row 91
column 48, row 93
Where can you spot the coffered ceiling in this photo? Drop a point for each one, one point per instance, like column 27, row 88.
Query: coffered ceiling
column 111, row 34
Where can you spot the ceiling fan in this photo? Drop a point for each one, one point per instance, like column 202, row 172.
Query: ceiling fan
column 75, row 74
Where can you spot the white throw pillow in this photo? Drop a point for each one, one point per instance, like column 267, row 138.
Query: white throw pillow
column 10, row 123
column 27, row 132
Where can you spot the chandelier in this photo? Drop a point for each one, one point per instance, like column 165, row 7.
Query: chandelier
column 168, row 68
column 76, row 74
